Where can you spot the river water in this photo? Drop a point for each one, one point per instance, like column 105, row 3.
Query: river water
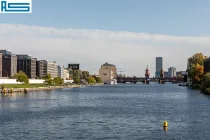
column 121, row 112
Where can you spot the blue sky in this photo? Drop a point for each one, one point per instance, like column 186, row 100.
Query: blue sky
column 127, row 33
column 177, row 17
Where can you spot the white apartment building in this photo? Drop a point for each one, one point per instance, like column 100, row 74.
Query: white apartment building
column 171, row 72
column 61, row 72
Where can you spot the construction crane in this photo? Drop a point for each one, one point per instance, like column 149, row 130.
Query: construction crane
column 121, row 71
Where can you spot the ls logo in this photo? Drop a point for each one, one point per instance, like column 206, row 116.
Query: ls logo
column 15, row 6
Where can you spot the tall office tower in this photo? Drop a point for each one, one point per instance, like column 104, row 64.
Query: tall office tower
column 159, row 66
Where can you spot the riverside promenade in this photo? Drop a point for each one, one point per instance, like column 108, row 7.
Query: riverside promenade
column 26, row 90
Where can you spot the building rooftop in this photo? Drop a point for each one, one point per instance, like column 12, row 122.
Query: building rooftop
column 107, row 64
column 6, row 52
column 25, row 56
column 172, row 68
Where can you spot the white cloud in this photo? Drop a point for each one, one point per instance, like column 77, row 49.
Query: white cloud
column 91, row 48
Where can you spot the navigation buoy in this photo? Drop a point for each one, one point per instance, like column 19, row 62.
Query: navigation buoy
column 165, row 129
column 165, row 124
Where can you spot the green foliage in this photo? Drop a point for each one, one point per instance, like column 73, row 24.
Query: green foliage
column 197, row 58
column 76, row 79
column 85, row 74
column 98, row 80
column 48, row 76
column 91, row 80
column 21, row 77
column 24, row 86
column 206, row 80
column 58, row 81
column 2, row 86
column 77, row 73
column 48, row 79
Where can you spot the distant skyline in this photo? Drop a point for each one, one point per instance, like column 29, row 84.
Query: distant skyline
column 127, row 33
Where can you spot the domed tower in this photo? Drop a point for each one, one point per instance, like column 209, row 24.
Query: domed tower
column 161, row 73
column 147, row 73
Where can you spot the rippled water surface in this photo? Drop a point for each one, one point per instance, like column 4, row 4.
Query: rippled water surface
column 122, row 112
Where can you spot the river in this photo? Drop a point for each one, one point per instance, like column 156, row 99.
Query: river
column 121, row 112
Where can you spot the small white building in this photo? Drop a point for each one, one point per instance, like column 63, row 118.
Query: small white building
column 66, row 74
column 63, row 73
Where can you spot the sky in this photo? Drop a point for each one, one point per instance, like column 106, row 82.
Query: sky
column 127, row 33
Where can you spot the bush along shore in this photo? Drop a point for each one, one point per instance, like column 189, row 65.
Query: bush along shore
column 25, row 89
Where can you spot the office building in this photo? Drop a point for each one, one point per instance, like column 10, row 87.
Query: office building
column 171, row 72
column 159, row 66
column 52, row 68
column 107, row 72
column 45, row 67
column 41, row 68
column 165, row 74
column 1, row 55
column 9, row 63
column 27, row 64
column 61, row 72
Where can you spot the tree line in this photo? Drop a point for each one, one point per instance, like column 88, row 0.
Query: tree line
column 79, row 77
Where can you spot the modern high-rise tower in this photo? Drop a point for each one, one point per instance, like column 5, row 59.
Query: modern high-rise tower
column 159, row 66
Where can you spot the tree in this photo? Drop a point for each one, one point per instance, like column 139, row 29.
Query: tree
column 197, row 58
column 98, row 80
column 77, row 73
column 196, row 71
column 90, row 80
column 58, row 81
column 48, row 79
column 76, row 79
column 85, row 74
column 21, row 77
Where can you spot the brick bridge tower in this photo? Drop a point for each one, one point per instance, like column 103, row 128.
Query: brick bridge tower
column 147, row 74
column 161, row 80
column 161, row 73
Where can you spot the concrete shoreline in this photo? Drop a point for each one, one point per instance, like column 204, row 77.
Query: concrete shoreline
column 26, row 90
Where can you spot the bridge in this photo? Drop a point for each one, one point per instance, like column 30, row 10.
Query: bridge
column 141, row 79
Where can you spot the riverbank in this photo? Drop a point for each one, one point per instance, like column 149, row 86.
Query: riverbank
column 39, row 87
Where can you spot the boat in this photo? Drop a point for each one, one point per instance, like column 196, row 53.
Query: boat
column 112, row 82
